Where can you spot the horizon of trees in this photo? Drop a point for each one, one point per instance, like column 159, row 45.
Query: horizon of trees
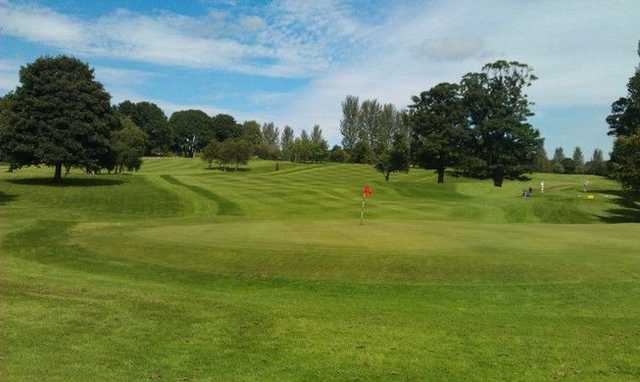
column 61, row 116
column 477, row 127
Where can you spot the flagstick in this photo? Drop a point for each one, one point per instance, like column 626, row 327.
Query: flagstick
column 364, row 202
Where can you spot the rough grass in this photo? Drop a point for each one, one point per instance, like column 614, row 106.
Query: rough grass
column 180, row 273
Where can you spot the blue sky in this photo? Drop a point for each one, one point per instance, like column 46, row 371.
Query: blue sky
column 294, row 61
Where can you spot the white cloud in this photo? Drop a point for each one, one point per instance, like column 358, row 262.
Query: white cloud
column 583, row 52
column 290, row 41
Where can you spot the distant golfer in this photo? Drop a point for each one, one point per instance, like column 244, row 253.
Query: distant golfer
column 542, row 186
column 586, row 185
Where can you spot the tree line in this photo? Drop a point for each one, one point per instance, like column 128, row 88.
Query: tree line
column 574, row 164
column 60, row 116
column 477, row 127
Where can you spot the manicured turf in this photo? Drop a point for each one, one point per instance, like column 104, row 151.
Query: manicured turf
column 180, row 273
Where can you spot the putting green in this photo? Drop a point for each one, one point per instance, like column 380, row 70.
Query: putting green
column 184, row 273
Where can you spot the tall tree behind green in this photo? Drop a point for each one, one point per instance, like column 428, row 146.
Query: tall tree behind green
column 624, row 124
column 349, row 124
column 271, row 134
column 440, row 132
column 556, row 162
column 597, row 164
column 286, row 140
column 578, row 160
column 152, row 120
column 369, row 123
column 192, row 130
column 128, row 145
column 225, row 127
column 59, row 116
column 384, row 130
column 251, row 133
column 543, row 164
column 319, row 145
column 505, row 143
column 395, row 158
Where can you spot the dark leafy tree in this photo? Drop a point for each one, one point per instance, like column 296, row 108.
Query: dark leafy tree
column 569, row 166
column 152, row 120
column 128, row 145
column 597, row 165
column 337, row 154
column 270, row 134
column 350, row 123
column 59, row 116
column 624, row 119
column 236, row 150
column 361, row 152
column 319, row 145
column 192, row 130
column 440, row 132
column 225, row 127
column 251, row 133
column 265, row 151
column 210, row 153
column 498, row 110
column 625, row 160
column 578, row 159
column 558, row 155
column 624, row 124
column 286, row 140
column 396, row 158
column 542, row 162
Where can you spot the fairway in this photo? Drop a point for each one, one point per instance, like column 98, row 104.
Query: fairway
column 183, row 273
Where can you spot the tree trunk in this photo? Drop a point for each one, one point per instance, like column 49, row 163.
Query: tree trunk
column 498, row 176
column 440, row 175
column 386, row 176
column 57, row 176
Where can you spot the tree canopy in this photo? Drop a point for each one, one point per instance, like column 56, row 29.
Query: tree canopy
column 152, row 120
column 192, row 130
column 504, row 143
column 58, row 116
column 439, row 124
column 624, row 124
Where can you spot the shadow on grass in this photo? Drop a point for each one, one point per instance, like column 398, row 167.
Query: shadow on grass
column 68, row 182
column 6, row 198
column 628, row 210
column 228, row 169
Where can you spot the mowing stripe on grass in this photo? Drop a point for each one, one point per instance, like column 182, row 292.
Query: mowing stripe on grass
column 225, row 206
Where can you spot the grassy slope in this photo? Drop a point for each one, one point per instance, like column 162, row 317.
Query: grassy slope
column 184, row 273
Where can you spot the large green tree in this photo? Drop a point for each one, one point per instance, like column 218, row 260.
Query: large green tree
column 192, row 131
column 578, row 159
column 152, row 120
column 286, row 141
column 251, row 132
column 394, row 158
column 626, row 161
column 439, row 125
column 128, row 145
column 624, row 124
column 235, row 150
column 505, row 145
column 226, row 127
column 59, row 116
column 350, row 123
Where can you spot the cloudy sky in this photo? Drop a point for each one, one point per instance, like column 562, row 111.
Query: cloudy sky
column 293, row 61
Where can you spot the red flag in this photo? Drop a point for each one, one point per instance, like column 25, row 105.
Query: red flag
column 367, row 191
